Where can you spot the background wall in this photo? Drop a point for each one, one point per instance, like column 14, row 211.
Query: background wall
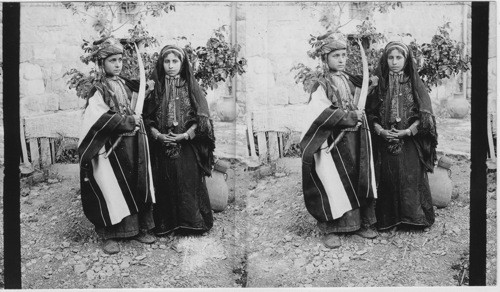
column 273, row 36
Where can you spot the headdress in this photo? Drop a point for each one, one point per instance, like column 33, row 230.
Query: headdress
column 103, row 48
column 397, row 45
column 172, row 48
column 328, row 43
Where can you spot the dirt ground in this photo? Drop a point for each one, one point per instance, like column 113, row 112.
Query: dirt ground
column 265, row 238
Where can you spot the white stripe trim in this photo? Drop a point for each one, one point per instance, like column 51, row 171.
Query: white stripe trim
column 90, row 143
column 347, row 174
column 315, row 132
column 321, row 196
column 125, row 179
column 99, row 200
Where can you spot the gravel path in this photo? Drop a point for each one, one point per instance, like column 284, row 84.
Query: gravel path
column 265, row 238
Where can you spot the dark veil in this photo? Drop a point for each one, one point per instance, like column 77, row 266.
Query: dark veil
column 426, row 139
column 204, row 142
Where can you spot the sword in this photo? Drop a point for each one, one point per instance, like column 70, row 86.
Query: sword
column 362, row 97
column 140, row 96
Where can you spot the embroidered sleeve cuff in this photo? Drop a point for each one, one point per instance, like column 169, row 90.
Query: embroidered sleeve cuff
column 413, row 128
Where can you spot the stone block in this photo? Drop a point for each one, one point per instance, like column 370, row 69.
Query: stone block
column 278, row 96
column 297, row 95
column 26, row 52
column 69, row 101
column 30, row 71
column 51, row 102
column 58, row 85
column 31, row 87
column 65, row 123
column 68, row 52
column 30, row 34
column 32, row 103
column 44, row 53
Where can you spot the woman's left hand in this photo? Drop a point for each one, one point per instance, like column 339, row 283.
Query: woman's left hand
column 176, row 137
column 401, row 133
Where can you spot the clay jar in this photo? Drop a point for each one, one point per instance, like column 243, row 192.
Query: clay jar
column 458, row 107
column 227, row 108
column 440, row 183
column 218, row 191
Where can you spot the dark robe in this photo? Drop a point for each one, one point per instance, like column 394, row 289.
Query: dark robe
column 335, row 191
column 403, row 186
column 116, row 189
column 179, row 170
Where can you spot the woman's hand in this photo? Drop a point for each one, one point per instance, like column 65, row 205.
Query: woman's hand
column 388, row 135
column 163, row 138
column 177, row 137
column 401, row 133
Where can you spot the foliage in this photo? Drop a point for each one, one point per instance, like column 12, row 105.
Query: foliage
column 103, row 15
column 213, row 63
column 217, row 61
column 82, row 82
column 442, row 58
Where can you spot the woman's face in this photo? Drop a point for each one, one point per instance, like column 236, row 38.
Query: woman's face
column 172, row 65
column 396, row 61
column 113, row 65
column 336, row 60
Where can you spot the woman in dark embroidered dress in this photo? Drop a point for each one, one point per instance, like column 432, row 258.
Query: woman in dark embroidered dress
column 400, row 114
column 182, row 144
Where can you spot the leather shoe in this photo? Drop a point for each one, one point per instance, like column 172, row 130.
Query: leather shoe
column 145, row 238
column 110, row 246
column 331, row 240
column 366, row 232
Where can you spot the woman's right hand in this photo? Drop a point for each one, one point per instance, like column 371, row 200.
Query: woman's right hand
column 388, row 135
column 165, row 139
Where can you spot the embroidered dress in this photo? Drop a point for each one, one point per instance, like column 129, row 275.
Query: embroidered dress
column 182, row 201
column 404, row 195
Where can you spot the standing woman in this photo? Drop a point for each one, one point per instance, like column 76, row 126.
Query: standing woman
column 400, row 114
column 182, row 143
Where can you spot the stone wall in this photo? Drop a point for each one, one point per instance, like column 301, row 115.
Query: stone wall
column 275, row 39
column 50, row 46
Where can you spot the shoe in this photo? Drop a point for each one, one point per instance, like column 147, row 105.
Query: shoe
column 331, row 240
column 145, row 237
column 367, row 232
column 110, row 246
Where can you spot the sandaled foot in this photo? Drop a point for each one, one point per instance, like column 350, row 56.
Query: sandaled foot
column 110, row 246
column 145, row 238
column 331, row 241
column 367, row 232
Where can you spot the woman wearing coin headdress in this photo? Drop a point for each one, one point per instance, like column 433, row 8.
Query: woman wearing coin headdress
column 182, row 144
column 404, row 128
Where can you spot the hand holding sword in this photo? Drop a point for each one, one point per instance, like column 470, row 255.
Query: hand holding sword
column 140, row 99
column 362, row 97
